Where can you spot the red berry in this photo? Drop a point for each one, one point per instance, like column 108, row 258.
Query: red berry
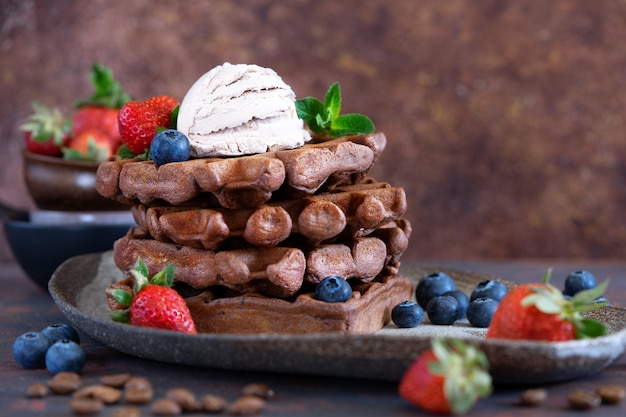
column 138, row 121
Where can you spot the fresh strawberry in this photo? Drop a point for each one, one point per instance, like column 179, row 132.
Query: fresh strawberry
column 100, row 118
column 539, row 311
column 89, row 145
column 139, row 120
column 100, row 111
column 46, row 131
column 447, row 379
column 153, row 303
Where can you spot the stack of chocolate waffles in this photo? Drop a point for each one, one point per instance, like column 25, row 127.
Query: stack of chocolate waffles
column 251, row 236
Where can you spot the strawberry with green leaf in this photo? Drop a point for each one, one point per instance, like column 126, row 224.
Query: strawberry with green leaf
column 152, row 302
column 46, row 131
column 98, row 112
column 539, row 311
column 325, row 119
column 447, row 379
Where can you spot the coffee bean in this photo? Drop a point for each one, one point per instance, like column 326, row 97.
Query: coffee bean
column 533, row 397
column 166, row 407
column 37, row 390
column 247, row 405
column 184, row 398
column 611, row 394
column 65, row 383
column 260, row 390
column 127, row 411
column 213, row 403
column 138, row 390
column 106, row 394
column 115, row 381
column 583, row 400
column 86, row 406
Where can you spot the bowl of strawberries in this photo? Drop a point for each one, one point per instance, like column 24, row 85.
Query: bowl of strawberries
column 62, row 155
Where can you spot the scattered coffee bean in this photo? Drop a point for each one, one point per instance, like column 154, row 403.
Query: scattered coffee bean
column 138, row 390
column 127, row 411
column 184, row 398
column 611, row 394
column 247, row 405
column 583, row 400
column 533, row 397
column 106, row 394
column 260, row 390
column 166, row 407
column 115, row 381
column 213, row 403
column 86, row 406
column 37, row 390
column 65, row 383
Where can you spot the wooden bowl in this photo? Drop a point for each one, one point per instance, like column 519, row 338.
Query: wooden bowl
column 59, row 184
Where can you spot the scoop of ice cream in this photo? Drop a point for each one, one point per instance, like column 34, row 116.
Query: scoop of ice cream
column 240, row 110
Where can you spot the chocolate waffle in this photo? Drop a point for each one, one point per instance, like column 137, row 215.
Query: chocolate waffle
column 242, row 182
column 275, row 271
column 367, row 311
column 320, row 217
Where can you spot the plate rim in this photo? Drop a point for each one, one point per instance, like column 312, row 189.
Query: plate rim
column 270, row 344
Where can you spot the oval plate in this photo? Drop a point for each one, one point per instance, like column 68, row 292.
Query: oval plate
column 77, row 288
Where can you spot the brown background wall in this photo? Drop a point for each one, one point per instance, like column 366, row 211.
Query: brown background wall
column 505, row 120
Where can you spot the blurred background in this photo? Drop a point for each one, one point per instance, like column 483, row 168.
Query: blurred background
column 505, row 120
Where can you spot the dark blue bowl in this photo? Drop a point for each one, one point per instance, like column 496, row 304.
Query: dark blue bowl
column 40, row 248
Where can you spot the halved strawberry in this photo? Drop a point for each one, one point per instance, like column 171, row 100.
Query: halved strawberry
column 89, row 145
column 139, row 121
column 46, row 131
column 152, row 303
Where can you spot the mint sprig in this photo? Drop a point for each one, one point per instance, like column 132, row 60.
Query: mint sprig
column 325, row 119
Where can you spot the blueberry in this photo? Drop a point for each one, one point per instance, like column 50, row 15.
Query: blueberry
column 579, row 281
column 489, row 289
column 407, row 314
column 463, row 301
column 443, row 309
column 433, row 285
column 480, row 311
column 56, row 332
column 169, row 145
column 333, row 289
column 29, row 350
column 65, row 356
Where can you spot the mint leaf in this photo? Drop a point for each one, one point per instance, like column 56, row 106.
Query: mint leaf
column 325, row 119
column 308, row 109
column 332, row 102
column 351, row 124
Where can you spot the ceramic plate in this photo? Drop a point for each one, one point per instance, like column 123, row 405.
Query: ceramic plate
column 78, row 286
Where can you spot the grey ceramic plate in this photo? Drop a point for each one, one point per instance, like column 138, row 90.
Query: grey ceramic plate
column 78, row 285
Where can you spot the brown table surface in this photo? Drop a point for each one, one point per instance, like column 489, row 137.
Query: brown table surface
column 25, row 307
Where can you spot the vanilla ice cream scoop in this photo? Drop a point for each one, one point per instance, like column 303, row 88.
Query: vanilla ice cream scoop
column 240, row 110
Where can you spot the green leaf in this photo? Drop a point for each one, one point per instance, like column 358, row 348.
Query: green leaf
column 121, row 316
column 121, row 296
column 589, row 296
column 325, row 119
column 332, row 102
column 351, row 124
column 308, row 109
column 124, row 152
column 164, row 277
column 107, row 91
column 589, row 328
column 174, row 117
